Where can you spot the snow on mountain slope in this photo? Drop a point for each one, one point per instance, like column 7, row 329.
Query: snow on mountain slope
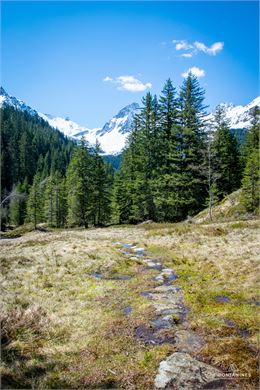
column 6, row 100
column 68, row 127
column 112, row 136
column 238, row 116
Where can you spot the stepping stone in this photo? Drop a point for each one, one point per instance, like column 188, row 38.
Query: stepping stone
column 163, row 322
column 138, row 249
column 167, row 289
column 183, row 372
column 167, row 271
column 159, row 297
column 159, row 278
column 188, row 341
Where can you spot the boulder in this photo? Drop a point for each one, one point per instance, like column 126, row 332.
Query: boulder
column 180, row 371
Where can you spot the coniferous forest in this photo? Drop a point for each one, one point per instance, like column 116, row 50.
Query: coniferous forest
column 173, row 166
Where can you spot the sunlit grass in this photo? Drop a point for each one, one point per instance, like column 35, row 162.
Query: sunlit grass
column 64, row 328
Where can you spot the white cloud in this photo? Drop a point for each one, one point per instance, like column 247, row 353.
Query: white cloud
column 129, row 83
column 107, row 78
column 187, row 55
column 195, row 47
column 182, row 45
column 211, row 50
column 195, row 71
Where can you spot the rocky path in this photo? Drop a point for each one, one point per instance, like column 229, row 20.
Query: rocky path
column 181, row 370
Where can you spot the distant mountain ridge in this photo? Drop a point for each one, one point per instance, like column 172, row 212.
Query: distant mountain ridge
column 112, row 136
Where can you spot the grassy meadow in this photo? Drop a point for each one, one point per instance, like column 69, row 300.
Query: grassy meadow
column 72, row 303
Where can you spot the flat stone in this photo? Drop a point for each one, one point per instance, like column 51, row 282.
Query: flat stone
column 159, row 278
column 188, row 341
column 167, row 289
column 163, row 322
column 159, row 297
column 160, row 307
column 138, row 249
column 180, row 371
column 167, row 271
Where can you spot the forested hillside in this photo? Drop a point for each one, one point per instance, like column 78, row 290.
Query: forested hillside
column 173, row 166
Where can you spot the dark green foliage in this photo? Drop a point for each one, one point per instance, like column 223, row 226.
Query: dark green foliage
column 226, row 157
column 79, row 187
column 35, row 203
column 102, row 178
column 89, row 183
column 55, row 200
column 251, row 174
column 251, row 182
column 18, row 204
column 114, row 160
column 170, row 169
column 28, row 144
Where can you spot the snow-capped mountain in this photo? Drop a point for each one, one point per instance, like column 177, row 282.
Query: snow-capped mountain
column 65, row 125
column 6, row 100
column 238, row 116
column 112, row 136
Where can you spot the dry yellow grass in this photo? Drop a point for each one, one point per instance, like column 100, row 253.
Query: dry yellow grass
column 85, row 340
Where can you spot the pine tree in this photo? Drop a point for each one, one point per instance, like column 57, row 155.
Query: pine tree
column 251, row 174
column 80, row 187
column 192, row 183
column 251, row 183
column 35, row 204
column 226, row 156
column 55, row 204
column 17, row 208
column 101, row 201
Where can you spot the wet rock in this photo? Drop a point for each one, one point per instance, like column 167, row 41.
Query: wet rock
column 138, row 249
column 134, row 258
column 127, row 246
column 182, row 372
column 187, row 341
column 167, row 289
column 222, row 298
column 167, row 271
column 159, row 297
column 148, row 335
column 128, row 310
column 159, row 279
column 166, row 276
column 153, row 264
column 163, row 322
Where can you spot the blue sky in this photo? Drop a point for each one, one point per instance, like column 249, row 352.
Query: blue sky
column 87, row 60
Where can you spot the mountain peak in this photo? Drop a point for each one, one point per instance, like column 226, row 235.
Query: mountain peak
column 3, row 92
column 128, row 109
column 112, row 136
column 7, row 100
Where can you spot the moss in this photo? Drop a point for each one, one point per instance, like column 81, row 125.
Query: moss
column 88, row 341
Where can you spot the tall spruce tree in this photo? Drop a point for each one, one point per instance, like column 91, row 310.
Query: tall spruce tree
column 35, row 204
column 226, row 156
column 55, row 200
column 251, row 175
column 191, row 146
column 101, row 196
column 17, row 207
column 80, row 186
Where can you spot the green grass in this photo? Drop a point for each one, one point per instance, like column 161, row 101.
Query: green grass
column 63, row 328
